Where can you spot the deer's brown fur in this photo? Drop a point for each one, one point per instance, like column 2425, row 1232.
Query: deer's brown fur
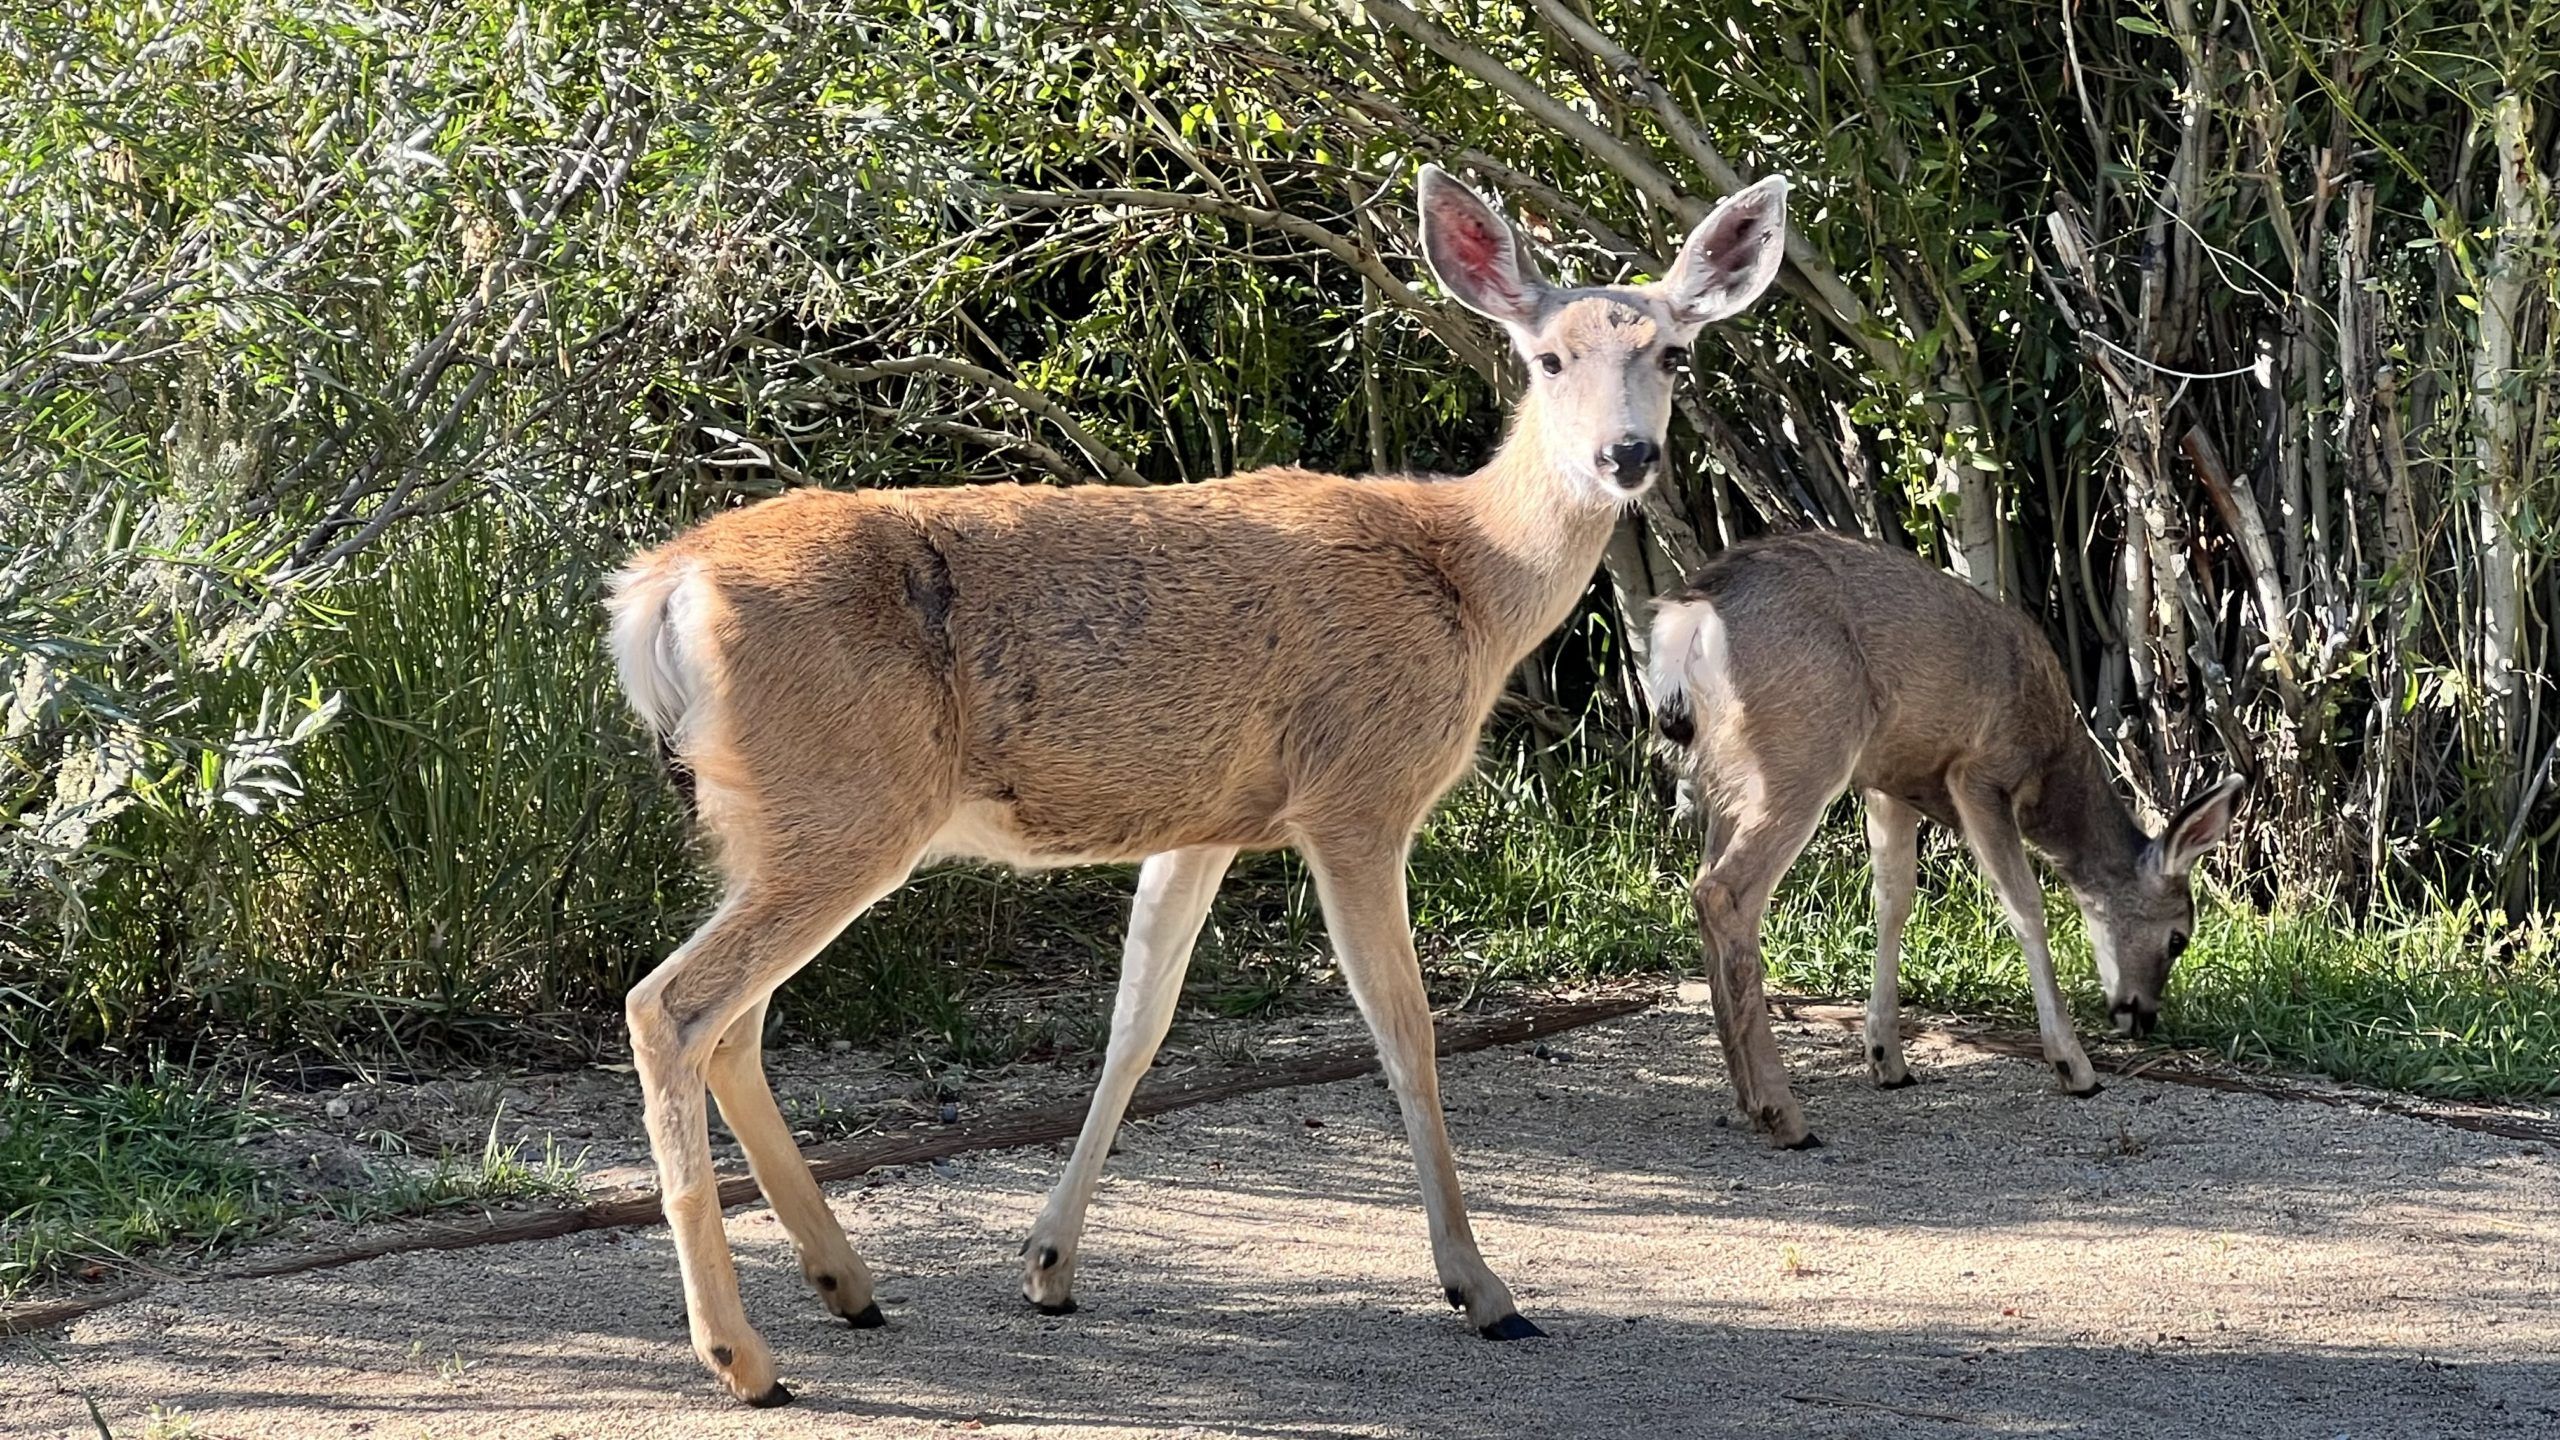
column 858, row 683
column 1796, row 667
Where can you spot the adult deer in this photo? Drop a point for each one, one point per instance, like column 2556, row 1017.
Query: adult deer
column 1795, row 667
column 859, row 683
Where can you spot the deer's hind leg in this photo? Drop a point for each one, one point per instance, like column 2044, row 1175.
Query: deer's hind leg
column 1774, row 796
column 1731, row 895
column 777, row 914
column 827, row 1259
column 1893, row 841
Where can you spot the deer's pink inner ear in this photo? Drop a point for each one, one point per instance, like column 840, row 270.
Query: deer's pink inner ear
column 1475, row 246
column 1481, row 251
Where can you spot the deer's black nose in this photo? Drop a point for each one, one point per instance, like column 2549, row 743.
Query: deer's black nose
column 1631, row 458
column 2134, row 1018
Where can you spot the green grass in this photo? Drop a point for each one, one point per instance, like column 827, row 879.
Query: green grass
column 97, row 1171
column 496, row 1172
column 103, row 1168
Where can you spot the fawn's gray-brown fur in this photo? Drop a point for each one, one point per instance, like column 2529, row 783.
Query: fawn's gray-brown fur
column 1795, row 667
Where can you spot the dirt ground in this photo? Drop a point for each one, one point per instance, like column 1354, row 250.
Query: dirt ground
column 1973, row 1256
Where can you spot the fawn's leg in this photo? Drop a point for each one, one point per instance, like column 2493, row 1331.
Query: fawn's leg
column 1174, row 891
column 1361, row 883
column 1731, row 895
column 1992, row 831
column 827, row 1259
column 1893, row 839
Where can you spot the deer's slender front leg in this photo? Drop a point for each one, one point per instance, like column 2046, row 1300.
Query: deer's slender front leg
column 1361, row 883
column 1893, row 840
column 1174, row 891
column 1992, row 831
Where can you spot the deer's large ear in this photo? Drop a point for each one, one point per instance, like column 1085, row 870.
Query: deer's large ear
column 1731, row 257
column 1474, row 252
column 2200, row 826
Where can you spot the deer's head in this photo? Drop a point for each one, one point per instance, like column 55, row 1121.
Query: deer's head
column 2140, row 921
column 1602, row 361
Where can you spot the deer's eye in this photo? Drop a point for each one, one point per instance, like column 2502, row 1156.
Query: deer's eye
column 1675, row 361
column 2177, row 943
column 1552, row 363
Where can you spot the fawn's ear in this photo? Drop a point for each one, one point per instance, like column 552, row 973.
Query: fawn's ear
column 1474, row 253
column 1731, row 257
column 2201, row 825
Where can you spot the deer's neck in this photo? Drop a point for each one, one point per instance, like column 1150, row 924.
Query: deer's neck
column 2080, row 822
column 1533, row 538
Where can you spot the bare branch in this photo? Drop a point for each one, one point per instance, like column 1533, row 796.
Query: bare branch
column 1046, row 456
column 1113, row 465
column 1461, row 337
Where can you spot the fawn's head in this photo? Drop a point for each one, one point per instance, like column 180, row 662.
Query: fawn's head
column 2140, row 921
column 1602, row 361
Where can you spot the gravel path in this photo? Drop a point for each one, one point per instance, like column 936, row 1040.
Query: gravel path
column 1973, row 1256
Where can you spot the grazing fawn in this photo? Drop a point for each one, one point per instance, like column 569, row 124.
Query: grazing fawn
column 856, row 684
column 1794, row 667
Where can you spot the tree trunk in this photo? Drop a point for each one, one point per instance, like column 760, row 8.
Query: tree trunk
column 2498, row 431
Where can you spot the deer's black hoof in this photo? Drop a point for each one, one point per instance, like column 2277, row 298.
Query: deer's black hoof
column 1810, row 1141
column 1512, row 1327
column 1906, row 1082
column 869, row 1319
column 780, row 1394
column 1063, row 1307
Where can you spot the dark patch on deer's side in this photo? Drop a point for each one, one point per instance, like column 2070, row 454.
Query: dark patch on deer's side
column 720, row 1356
column 929, row 593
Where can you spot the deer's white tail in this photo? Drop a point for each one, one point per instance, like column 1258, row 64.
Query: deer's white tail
column 1692, row 667
column 658, row 608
